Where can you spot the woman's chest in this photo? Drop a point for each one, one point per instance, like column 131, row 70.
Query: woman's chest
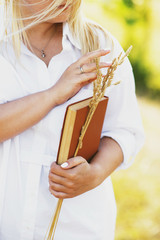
column 36, row 76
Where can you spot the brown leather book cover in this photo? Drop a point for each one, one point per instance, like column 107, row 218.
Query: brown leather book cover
column 74, row 120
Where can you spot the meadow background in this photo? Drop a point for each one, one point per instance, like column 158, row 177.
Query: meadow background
column 137, row 189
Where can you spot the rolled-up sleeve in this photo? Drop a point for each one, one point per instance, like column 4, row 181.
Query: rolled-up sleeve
column 122, row 121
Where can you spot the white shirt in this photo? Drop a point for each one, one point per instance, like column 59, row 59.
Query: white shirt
column 26, row 205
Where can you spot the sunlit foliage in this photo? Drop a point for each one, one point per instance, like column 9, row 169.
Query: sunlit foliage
column 134, row 22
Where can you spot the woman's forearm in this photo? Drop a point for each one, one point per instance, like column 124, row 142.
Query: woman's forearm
column 18, row 115
column 107, row 159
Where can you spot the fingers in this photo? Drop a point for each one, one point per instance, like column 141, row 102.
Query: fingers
column 57, row 170
column 74, row 78
column 56, row 179
column 59, row 188
column 66, row 181
column 87, row 70
column 73, row 162
column 92, row 55
column 86, row 78
column 59, row 195
column 90, row 67
column 62, row 187
column 60, row 184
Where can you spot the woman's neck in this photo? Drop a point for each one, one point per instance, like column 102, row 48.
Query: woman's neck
column 43, row 31
column 45, row 40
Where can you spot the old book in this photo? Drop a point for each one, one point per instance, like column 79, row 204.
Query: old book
column 74, row 120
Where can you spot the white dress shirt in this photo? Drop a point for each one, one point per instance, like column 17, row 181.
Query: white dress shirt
column 26, row 205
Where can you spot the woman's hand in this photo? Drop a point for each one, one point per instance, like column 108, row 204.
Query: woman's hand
column 77, row 176
column 77, row 75
column 72, row 178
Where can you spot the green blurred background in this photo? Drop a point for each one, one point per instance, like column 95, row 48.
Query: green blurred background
column 137, row 189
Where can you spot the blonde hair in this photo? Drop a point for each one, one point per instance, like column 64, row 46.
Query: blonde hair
column 84, row 31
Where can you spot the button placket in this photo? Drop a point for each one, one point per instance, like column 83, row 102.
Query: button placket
column 32, row 188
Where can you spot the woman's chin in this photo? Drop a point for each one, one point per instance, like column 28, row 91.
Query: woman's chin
column 60, row 19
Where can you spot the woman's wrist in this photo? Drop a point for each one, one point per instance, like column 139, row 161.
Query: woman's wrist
column 106, row 160
column 52, row 97
column 97, row 173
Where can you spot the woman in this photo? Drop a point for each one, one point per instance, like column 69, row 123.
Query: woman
column 46, row 62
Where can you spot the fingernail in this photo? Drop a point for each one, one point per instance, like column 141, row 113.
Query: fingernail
column 64, row 165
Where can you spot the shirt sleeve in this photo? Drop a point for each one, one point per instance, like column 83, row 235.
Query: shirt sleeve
column 11, row 86
column 122, row 121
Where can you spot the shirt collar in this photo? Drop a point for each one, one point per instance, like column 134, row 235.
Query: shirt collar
column 67, row 33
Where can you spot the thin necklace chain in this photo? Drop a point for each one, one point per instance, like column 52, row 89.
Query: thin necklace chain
column 42, row 51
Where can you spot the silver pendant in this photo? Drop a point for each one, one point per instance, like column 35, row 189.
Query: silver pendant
column 43, row 55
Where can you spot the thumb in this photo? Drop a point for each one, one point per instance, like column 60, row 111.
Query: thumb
column 73, row 162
